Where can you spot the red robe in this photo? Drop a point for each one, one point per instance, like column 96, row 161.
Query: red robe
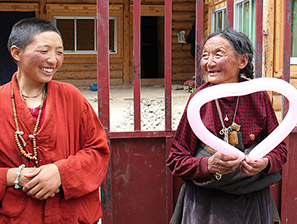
column 73, row 138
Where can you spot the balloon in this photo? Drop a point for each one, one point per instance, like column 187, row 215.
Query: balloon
column 239, row 89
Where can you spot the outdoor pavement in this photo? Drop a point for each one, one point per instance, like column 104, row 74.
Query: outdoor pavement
column 152, row 106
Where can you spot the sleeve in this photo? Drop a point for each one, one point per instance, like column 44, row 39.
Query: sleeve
column 181, row 160
column 278, row 156
column 3, row 177
column 85, row 171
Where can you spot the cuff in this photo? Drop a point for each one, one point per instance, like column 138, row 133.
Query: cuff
column 267, row 170
column 204, row 168
column 3, row 185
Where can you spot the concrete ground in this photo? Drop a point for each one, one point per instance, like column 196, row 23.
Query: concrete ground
column 152, row 106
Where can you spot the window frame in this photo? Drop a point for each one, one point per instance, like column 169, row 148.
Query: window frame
column 214, row 18
column 239, row 11
column 115, row 18
column 293, row 60
column 75, row 18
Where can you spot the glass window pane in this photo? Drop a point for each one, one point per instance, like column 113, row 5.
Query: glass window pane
column 220, row 20
column 294, row 29
column 111, row 34
column 66, row 28
column 215, row 22
column 245, row 18
column 79, row 33
column 225, row 20
column 246, row 21
column 253, row 21
column 240, row 18
column 85, row 34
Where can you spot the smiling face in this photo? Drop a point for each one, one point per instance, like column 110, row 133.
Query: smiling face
column 219, row 62
column 39, row 61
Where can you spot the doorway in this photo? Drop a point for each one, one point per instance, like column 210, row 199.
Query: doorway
column 152, row 47
column 7, row 20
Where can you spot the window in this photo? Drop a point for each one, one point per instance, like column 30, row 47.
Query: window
column 294, row 33
column 245, row 18
column 219, row 19
column 79, row 34
column 113, row 24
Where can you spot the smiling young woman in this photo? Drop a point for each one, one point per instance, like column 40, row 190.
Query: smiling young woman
column 54, row 152
column 37, row 63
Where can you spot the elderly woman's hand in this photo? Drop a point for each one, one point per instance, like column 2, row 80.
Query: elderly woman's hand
column 223, row 164
column 252, row 167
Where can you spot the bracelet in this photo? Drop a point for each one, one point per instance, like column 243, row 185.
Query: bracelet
column 16, row 182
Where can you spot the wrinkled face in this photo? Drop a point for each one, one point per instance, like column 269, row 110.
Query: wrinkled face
column 39, row 61
column 219, row 62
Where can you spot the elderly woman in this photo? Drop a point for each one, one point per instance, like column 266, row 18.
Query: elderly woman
column 54, row 152
column 209, row 196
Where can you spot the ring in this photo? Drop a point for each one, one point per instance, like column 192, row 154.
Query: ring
column 218, row 176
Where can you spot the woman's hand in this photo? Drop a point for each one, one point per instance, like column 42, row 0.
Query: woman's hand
column 252, row 167
column 23, row 180
column 45, row 182
column 11, row 176
column 223, row 164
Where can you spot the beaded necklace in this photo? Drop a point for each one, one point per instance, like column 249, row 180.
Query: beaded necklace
column 18, row 134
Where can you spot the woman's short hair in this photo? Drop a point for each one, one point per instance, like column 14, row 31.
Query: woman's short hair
column 241, row 44
column 24, row 31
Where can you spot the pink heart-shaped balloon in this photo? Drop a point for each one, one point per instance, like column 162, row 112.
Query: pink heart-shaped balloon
column 239, row 89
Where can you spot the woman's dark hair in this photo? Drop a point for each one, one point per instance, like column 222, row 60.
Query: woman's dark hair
column 241, row 44
column 24, row 31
